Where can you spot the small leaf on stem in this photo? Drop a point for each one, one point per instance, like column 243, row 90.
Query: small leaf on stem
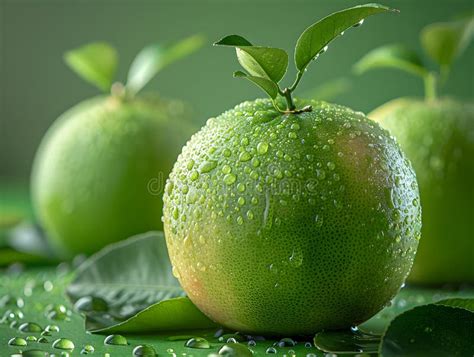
column 266, row 62
column 154, row 58
column 444, row 41
column 95, row 62
column 392, row 56
column 316, row 37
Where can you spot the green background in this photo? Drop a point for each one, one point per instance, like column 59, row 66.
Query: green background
column 35, row 85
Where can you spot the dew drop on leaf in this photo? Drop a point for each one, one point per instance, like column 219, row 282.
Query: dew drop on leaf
column 144, row 351
column 63, row 344
column 17, row 341
column 117, row 340
column 197, row 342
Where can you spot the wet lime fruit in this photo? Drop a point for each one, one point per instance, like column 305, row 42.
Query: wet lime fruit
column 438, row 138
column 99, row 172
column 291, row 223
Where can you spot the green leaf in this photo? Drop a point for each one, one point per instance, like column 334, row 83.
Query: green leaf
column 444, row 41
column 266, row 62
column 135, row 278
column 392, row 56
column 167, row 315
column 154, row 58
column 267, row 85
column 95, row 62
column 407, row 299
column 316, row 37
column 430, row 330
column 233, row 40
column 463, row 303
column 350, row 341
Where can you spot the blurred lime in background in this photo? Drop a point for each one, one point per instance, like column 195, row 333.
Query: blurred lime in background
column 100, row 170
column 437, row 134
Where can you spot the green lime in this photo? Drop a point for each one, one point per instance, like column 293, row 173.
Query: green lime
column 438, row 138
column 289, row 223
column 99, row 173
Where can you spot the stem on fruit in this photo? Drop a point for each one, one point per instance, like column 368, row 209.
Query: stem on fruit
column 118, row 90
column 290, row 106
column 430, row 86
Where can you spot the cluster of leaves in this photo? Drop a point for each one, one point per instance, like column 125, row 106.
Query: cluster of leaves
column 97, row 63
column 443, row 42
column 135, row 280
column 266, row 66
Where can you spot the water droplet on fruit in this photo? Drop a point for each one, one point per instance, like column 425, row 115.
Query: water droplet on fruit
column 17, row 341
column 229, row 179
column 262, row 148
column 318, row 220
column 245, row 156
column 144, row 351
column 30, row 327
column 208, row 166
column 197, row 342
column 117, row 340
column 63, row 344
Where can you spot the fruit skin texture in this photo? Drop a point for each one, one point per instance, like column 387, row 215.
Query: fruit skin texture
column 438, row 138
column 289, row 224
column 99, row 173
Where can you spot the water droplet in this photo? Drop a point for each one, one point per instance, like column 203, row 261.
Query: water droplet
column 144, row 351
column 197, row 342
column 235, row 350
column 245, row 156
column 87, row 349
column 208, row 166
column 63, row 344
column 194, row 175
column 229, row 179
column 359, row 23
column 271, row 350
column 17, row 341
column 292, row 135
column 318, row 220
column 115, row 340
column 286, row 342
column 43, row 340
column 57, row 312
column 89, row 304
column 30, row 327
column 308, row 344
column 31, row 338
column 324, row 49
column 262, row 148
column 52, row 328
